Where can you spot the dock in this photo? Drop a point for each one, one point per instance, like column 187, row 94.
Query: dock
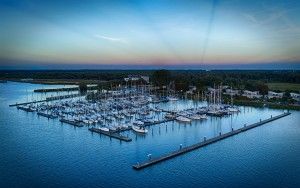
column 159, row 122
column 71, row 123
column 62, row 89
column 111, row 134
column 206, row 142
column 47, row 99
column 49, row 116
column 25, row 103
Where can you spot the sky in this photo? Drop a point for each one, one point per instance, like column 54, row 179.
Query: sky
column 37, row 34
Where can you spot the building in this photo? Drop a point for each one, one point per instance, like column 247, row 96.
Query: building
column 211, row 90
column 137, row 78
column 272, row 94
column 295, row 96
column 191, row 90
column 232, row 92
column 251, row 94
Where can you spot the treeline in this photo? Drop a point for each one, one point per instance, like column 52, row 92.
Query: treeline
column 182, row 78
column 249, row 80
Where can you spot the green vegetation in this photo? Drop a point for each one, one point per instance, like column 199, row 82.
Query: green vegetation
column 261, row 104
column 284, row 86
column 83, row 88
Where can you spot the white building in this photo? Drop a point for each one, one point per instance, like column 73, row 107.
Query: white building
column 210, row 89
column 272, row 94
column 136, row 78
column 191, row 90
column 251, row 94
column 295, row 96
column 232, row 92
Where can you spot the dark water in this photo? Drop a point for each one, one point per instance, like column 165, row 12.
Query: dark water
column 36, row 152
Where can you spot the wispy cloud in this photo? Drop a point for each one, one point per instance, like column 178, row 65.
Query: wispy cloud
column 265, row 20
column 112, row 39
column 250, row 17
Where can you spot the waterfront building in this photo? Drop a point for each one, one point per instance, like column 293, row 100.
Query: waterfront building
column 251, row 94
column 272, row 94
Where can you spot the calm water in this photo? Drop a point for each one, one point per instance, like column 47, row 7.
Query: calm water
column 36, row 152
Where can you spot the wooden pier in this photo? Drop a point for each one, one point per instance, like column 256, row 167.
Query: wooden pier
column 206, row 142
column 111, row 134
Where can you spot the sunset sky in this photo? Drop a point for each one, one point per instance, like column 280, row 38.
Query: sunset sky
column 87, row 34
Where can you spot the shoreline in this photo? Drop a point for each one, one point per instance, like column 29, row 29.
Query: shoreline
column 266, row 104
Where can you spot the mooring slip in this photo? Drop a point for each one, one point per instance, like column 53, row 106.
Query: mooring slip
column 206, row 142
column 111, row 134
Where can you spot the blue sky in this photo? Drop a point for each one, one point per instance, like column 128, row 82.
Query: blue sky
column 149, row 33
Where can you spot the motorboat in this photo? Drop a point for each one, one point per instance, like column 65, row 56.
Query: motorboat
column 183, row 119
column 139, row 123
column 169, row 116
column 172, row 98
column 105, row 129
column 195, row 117
column 139, row 129
column 203, row 116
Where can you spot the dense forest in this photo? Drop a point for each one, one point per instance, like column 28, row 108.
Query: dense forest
column 234, row 76
column 245, row 79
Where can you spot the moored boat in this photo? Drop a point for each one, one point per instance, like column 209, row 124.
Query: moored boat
column 183, row 119
column 139, row 129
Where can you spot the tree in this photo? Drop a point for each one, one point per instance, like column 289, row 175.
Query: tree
column 161, row 77
column 82, row 88
column 262, row 88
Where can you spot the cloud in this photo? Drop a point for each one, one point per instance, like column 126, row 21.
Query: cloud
column 265, row 20
column 111, row 39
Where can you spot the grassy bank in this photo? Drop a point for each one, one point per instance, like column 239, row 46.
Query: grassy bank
column 261, row 104
column 284, row 86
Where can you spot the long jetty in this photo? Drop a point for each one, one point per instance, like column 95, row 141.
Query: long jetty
column 47, row 99
column 71, row 122
column 62, row 89
column 206, row 142
column 111, row 134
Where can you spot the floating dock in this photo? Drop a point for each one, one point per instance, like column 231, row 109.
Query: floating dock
column 62, row 89
column 46, row 115
column 47, row 99
column 71, row 123
column 206, row 142
column 159, row 122
column 111, row 134
column 25, row 103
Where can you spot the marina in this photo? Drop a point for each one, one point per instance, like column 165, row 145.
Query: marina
column 123, row 109
column 111, row 118
column 118, row 112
